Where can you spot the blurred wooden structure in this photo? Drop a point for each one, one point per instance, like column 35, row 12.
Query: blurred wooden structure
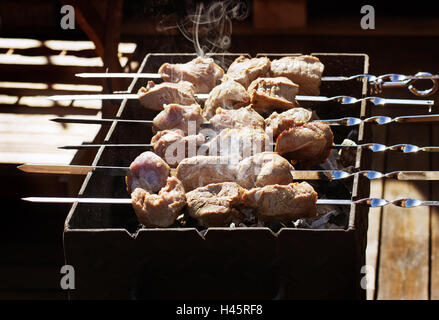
column 279, row 14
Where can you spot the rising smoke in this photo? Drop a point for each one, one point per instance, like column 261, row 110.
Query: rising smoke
column 209, row 25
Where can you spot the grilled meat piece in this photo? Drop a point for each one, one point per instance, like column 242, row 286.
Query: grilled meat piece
column 175, row 116
column 239, row 143
column 216, row 205
column 267, row 94
column 278, row 122
column 245, row 70
column 154, row 96
column 203, row 73
column 239, row 118
column 308, row 144
column 306, row 71
column 173, row 146
column 228, row 95
column 159, row 210
column 200, row 171
column 148, row 171
column 282, row 202
column 263, row 169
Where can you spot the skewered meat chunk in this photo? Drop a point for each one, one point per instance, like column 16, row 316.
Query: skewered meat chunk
column 241, row 143
column 148, row 171
column 308, row 144
column 306, row 71
column 228, row 95
column 263, row 169
column 278, row 122
column 203, row 170
column 162, row 209
column 245, row 70
column 204, row 73
column 267, row 94
column 239, row 118
column 282, row 202
column 175, row 116
column 173, row 146
column 154, row 96
column 217, row 204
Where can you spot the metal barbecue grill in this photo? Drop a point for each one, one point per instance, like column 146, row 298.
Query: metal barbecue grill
column 114, row 258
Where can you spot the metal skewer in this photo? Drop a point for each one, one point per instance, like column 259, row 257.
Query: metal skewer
column 390, row 80
column 297, row 174
column 347, row 121
column 340, row 99
column 394, row 77
column 374, row 147
column 370, row 202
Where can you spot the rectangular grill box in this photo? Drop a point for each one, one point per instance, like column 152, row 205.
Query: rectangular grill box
column 113, row 259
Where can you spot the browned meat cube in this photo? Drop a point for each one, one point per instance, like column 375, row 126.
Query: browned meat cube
column 228, row 95
column 245, row 70
column 200, row 171
column 239, row 143
column 173, row 146
column 306, row 71
column 203, row 73
column 148, row 171
column 175, row 116
column 267, row 94
column 216, row 205
column 162, row 209
column 263, row 169
column 278, row 122
column 307, row 145
column 239, row 118
column 154, row 96
column 282, row 202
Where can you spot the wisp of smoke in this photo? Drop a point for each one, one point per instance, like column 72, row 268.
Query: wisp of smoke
column 209, row 27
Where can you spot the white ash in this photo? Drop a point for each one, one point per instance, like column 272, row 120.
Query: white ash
column 321, row 222
column 347, row 156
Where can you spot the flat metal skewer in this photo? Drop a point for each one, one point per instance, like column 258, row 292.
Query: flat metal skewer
column 339, row 99
column 370, row 202
column 144, row 75
column 119, row 75
column 374, row 147
column 297, row 174
column 377, row 83
column 347, row 121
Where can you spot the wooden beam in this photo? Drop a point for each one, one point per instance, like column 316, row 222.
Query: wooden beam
column 379, row 135
column 404, row 252
column 434, row 271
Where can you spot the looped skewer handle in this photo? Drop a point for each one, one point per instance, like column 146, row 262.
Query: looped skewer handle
column 399, row 80
column 394, row 80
